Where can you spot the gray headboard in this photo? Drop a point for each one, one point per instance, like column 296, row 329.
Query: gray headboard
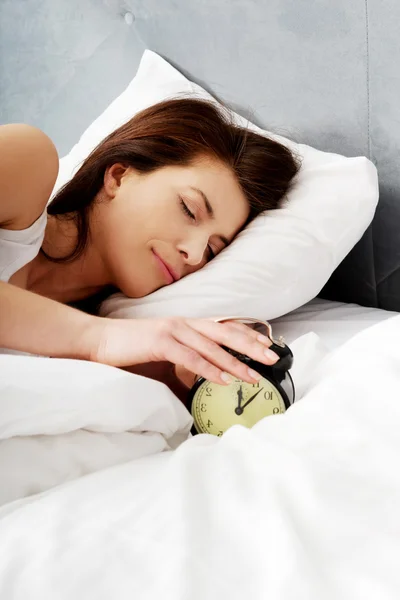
column 324, row 72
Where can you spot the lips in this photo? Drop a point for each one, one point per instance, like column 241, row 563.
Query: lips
column 169, row 273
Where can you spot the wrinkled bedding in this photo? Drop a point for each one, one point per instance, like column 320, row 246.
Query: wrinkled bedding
column 304, row 505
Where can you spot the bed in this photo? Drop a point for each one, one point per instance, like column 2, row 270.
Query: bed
column 102, row 497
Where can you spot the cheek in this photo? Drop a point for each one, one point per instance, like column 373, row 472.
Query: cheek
column 141, row 214
column 128, row 219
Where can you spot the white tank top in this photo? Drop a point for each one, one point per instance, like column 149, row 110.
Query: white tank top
column 18, row 248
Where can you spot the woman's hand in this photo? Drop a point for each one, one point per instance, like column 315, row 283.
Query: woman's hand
column 194, row 344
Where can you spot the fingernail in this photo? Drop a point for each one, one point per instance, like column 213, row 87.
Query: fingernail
column 271, row 355
column 226, row 378
column 264, row 339
column 254, row 375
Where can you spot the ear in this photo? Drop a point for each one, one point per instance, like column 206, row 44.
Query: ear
column 113, row 178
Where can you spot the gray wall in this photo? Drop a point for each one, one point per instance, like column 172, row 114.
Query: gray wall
column 324, row 72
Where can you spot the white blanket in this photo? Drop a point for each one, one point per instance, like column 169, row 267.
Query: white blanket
column 303, row 506
column 61, row 419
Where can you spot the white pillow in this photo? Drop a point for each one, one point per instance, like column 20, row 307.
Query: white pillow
column 281, row 260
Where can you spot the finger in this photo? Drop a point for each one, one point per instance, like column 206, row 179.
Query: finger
column 213, row 353
column 249, row 333
column 254, row 334
column 190, row 359
column 249, row 328
column 239, row 339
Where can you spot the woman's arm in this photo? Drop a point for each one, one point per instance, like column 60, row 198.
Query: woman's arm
column 32, row 323
column 28, row 171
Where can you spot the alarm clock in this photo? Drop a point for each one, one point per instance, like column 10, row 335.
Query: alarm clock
column 215, row 408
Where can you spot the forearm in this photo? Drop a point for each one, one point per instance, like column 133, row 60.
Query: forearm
column 38, row 325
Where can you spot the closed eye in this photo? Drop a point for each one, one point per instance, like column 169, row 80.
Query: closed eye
column 186, row 209
column 211, row 253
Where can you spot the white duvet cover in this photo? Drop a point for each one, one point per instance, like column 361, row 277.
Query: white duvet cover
column 303, row 506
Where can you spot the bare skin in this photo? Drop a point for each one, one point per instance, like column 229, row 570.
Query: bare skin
column 146, row 231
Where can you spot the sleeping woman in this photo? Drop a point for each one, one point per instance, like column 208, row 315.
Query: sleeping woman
column 156, row 200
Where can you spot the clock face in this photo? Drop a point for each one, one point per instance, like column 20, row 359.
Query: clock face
column 215, row 407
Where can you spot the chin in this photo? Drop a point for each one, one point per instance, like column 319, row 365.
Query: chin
column 140, row 290
column 146, row 281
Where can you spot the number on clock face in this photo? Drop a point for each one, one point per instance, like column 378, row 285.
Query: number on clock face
column 215, row 407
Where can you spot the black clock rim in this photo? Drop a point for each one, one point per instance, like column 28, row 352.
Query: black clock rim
column 264, row 372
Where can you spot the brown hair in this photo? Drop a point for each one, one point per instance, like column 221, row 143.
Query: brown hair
column 176, row 132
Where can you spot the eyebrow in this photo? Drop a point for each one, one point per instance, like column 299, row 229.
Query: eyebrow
column 210, row 211
column 209, row 208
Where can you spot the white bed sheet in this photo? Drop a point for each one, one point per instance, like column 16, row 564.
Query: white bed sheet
column 76, row 396
column 302, row 506
column 333, row 322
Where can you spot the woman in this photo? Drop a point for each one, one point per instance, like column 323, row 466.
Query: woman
column 155, row 201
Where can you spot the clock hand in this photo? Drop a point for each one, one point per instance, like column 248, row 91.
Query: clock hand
column 239, row 409
column 251, row 399
column 240, row 396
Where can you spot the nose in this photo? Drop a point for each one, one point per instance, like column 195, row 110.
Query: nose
column 193, row 249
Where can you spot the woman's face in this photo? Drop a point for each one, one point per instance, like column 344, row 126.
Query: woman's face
column 157, row 228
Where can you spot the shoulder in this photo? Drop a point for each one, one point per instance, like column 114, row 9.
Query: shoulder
column 28, row 171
